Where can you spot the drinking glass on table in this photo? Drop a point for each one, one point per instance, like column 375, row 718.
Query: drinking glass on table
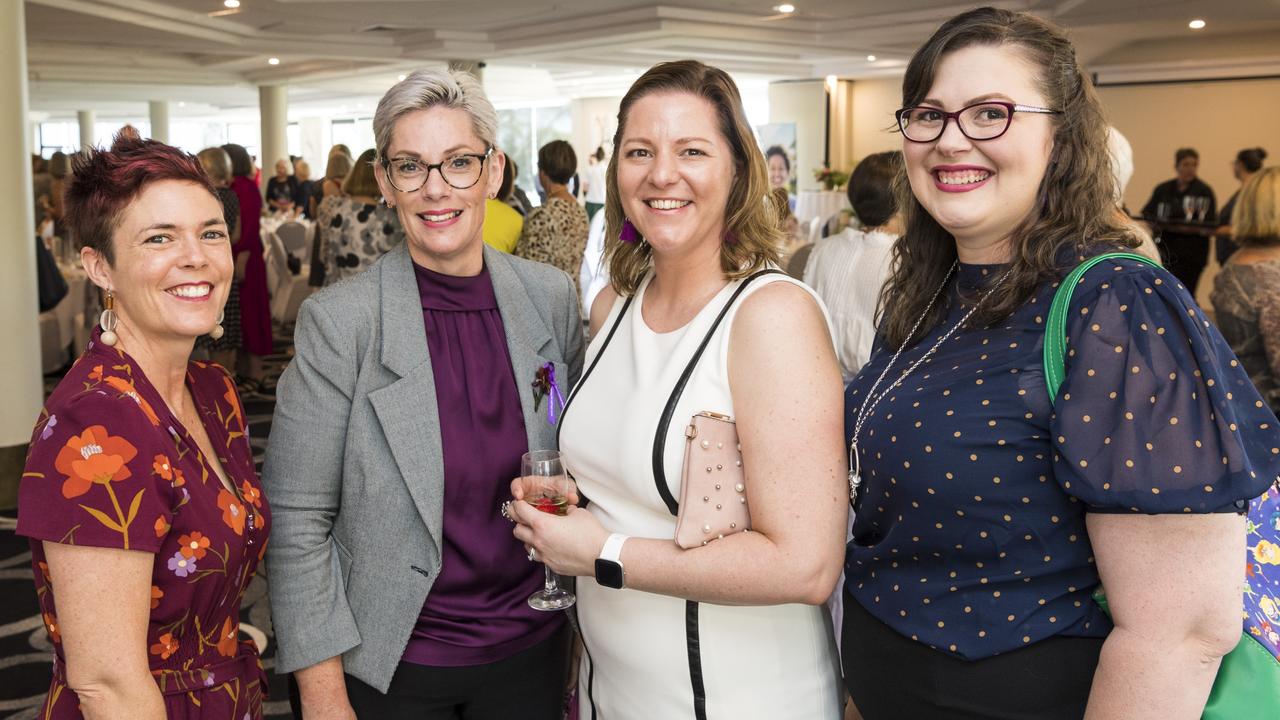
column 1188, row 207
column 546, row 487
column 1202, row 207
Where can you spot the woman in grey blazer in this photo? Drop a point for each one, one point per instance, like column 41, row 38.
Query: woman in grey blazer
column 397, row 589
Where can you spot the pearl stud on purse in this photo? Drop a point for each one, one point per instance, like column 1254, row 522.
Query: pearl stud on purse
column 713, row 491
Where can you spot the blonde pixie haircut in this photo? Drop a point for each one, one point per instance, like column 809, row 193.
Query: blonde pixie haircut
column 435, row 88
column 1256, row 219
column 752, row 233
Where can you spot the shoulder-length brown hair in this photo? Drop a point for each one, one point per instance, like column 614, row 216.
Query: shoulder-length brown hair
column 752, row 233
column 1076, row 208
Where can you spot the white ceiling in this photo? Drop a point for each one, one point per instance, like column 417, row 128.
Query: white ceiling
column 114, row 55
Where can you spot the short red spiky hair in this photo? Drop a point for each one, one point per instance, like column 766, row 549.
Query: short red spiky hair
column 104, row 182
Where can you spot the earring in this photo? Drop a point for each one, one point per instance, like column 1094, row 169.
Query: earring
column 217, row 332
column 107, row 321
column 628, row 234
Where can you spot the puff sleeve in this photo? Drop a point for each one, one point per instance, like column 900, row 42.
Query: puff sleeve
column 98, row 473
column 1155, row 414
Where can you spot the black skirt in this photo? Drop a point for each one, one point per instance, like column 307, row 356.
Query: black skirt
column 890, row 676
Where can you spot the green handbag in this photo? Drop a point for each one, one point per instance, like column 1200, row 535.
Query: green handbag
column 1248, row 682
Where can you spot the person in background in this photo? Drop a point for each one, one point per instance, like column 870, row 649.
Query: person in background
column 40, row 182
column 595, row 182
column 1247, row 163
column 1121, row 153
column 305, row 189
column 987, row 511
column 145, row 517
column 51, row 202
column 849, row 269
column 217, row 165
column 502, row 224
column 251, row 271
column 556, row 232
column 1185, row 254
column 734, row 628
column 792, row 239
column 282, row 188
column 518, row 200
column 397, row 589
column 1246, row 293
column 336, row 170
column 356, row 228
column 779, row 167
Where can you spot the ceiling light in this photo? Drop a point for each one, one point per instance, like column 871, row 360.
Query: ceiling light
column 1196, row 24
column 231, row 3
column 182, row 104
column 871, row 58
column 273, row 61
column 785, row 8
column 401, row 77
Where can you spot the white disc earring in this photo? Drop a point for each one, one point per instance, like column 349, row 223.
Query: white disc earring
column 217, row 332
column 107, row 321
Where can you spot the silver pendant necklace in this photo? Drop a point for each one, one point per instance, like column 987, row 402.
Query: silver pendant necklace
column 871, row 400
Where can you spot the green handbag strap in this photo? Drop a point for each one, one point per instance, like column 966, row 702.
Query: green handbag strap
column 1055, row 333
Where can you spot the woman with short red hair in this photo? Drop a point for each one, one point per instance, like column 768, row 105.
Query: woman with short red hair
column 145, row 515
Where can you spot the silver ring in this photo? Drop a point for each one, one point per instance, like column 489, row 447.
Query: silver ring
column 505, row 509
column 533, row 555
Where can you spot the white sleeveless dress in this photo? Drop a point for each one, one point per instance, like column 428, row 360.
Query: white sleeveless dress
column 642, row 649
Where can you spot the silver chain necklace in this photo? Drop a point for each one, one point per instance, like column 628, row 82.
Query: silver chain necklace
column 871, row 400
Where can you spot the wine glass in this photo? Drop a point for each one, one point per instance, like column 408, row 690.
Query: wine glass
column 546, row 487
column 1188, row 206
column 1202, row 207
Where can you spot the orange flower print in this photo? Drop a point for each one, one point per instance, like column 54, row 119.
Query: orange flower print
column 44, row 572
column 233, row 400
column 93, row 457
column 162, row 468
column 233, row 513
column 97, row 373
column 162, row 526
column 251, row 494
column 51, row 625
column 194, row 545
column 126, row 388
column 228, row 638
column 165, row 646
column 156, row 595
column 178, row 479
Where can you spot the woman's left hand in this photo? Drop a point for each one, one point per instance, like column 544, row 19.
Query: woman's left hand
column 567, row 544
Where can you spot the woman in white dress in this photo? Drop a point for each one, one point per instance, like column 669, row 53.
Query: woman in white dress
column 735, row 628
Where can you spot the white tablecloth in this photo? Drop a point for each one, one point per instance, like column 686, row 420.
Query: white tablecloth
column 821, row 204
column 69, row 323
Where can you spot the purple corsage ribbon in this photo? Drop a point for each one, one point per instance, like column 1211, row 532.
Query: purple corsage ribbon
column 544, row 385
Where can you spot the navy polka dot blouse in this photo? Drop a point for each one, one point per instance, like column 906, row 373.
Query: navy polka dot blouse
column 970, row 529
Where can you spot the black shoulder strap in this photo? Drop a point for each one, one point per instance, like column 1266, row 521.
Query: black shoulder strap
column 659, row 471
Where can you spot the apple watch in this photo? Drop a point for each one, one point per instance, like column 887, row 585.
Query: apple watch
column 609, row 571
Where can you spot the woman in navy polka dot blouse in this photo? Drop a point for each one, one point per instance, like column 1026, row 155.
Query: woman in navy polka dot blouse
column 986, row 515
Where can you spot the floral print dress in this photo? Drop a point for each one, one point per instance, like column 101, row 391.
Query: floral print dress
column 110, row 466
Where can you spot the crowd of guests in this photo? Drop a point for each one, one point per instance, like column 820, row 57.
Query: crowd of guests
column 895, row 422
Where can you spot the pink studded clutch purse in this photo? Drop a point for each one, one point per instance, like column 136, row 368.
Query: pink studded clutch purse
column 713, row 491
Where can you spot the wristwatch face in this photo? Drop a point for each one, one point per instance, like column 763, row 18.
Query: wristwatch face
column 609, row 573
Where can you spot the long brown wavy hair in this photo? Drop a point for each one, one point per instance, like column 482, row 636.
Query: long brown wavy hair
column 752, row 230
column 1076, row 206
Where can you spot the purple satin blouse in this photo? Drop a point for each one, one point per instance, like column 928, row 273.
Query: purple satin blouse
column 476, row 612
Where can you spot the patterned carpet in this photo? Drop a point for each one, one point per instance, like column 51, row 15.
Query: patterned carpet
column 25, row 652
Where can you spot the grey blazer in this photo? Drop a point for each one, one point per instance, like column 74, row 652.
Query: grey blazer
column 354, row 463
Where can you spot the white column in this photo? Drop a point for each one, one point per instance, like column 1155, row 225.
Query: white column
column 21, row 385
column 273, row 110
column 86, row 118
column 159, row 120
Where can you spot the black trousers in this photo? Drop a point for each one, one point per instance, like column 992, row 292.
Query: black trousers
column 892, row 677
column 526, row 686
